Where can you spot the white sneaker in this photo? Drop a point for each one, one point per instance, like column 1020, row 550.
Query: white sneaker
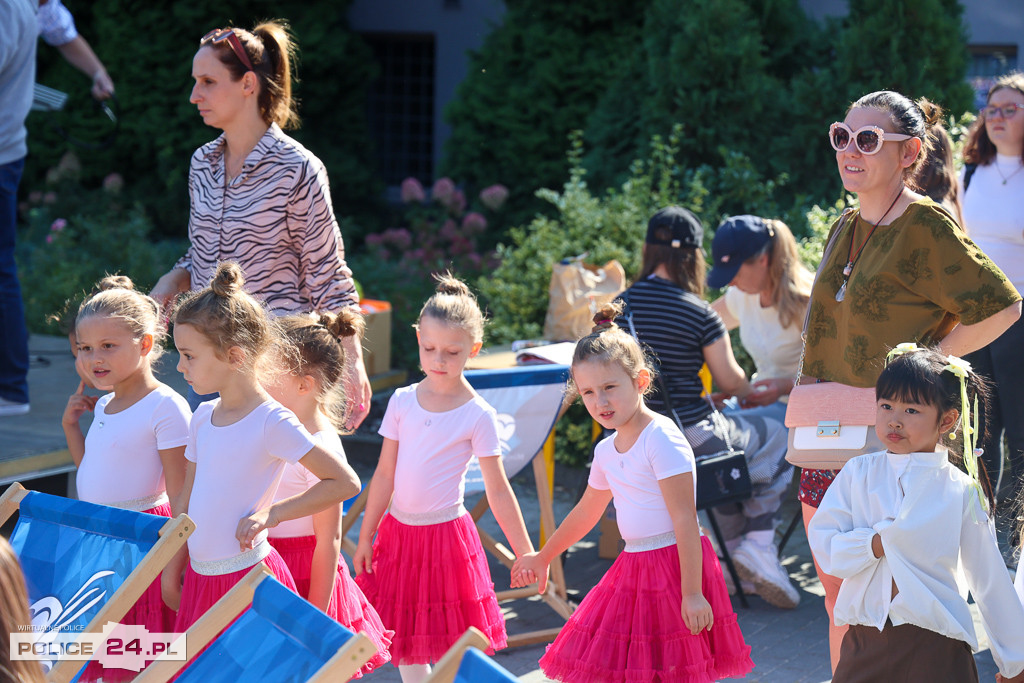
column 10, row 408
column 747, row 586
column 760, row 565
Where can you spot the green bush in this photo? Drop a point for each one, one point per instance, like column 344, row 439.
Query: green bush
column 148, row 49
column 534, row 80
column 432, row 236
column 74, row 236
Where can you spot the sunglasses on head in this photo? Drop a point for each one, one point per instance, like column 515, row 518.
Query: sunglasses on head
column 1006, row 111
column 220, row 35
column 867, row 139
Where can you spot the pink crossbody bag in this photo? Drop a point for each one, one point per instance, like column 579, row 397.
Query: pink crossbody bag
column 829, row 422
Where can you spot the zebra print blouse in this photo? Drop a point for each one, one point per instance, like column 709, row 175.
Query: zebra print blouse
column 275, row 220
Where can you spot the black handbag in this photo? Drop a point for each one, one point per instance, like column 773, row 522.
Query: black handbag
column 721, row 477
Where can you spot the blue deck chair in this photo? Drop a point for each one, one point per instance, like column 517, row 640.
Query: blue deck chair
column 464, row 662
column 282, row 639
column 85, row 564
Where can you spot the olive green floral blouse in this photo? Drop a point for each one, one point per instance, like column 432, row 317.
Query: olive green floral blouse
column 914, row 281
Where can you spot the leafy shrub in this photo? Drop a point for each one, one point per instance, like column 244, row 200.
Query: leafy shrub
column 435, row 234
column 535, row 78
column 74, row 236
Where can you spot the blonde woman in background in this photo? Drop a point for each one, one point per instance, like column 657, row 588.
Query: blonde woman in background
column 767, row 295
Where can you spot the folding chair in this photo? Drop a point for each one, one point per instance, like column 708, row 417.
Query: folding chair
column 281, row 639
column 528, row 401
column 85, row 564
column 465, row 662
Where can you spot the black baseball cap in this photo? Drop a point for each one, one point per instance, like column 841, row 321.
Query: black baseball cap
column 684, row 229
column 736, row 240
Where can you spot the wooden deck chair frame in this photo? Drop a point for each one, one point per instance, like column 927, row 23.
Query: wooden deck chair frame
column 448, row 666
column 172, row 537
column 342, row 666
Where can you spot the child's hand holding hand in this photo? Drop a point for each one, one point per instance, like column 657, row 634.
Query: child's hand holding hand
column 697, row 614
column 1019, row 678
column 362, row 561
column 77, row 405
column 529, row 568
column 249, row 527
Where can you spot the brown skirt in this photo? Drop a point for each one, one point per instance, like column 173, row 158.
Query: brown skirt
column 905, row 653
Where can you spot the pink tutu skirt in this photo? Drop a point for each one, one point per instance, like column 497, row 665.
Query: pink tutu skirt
column 629, row 628
column 429, row 584
column 348, row 604
column 199, row 592
column 150, row 611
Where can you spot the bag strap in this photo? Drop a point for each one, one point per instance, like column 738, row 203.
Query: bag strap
column 969, row 170
column 843, row 219
column 659, row 380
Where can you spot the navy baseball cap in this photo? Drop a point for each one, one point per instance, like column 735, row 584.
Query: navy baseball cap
column 683, row 228
column 736, row 240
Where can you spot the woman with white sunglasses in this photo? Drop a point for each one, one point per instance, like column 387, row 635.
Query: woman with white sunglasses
column 899, row 269
column 992, row 186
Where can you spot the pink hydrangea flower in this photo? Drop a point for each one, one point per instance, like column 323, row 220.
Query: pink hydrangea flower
column 449, row 230
column 49, row 238
column 399, row 237
column 457, row 204
column 113, row 183
column 494, row 197
column 474, row 222
column 50, row 198
column 442, row 190
column 58, row 225
column 412, row 191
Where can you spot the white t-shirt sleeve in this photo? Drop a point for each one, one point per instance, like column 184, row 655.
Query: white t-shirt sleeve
column 485, row 439
column 171, row 422
column 1018, row 581
column 669, row 452
column 597, row 478
column 202, row 414
column 733, row 298
column 392, row 417
column 285, row 437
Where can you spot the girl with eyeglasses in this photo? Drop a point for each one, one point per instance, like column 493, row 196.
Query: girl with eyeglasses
column 258, row 197
column 899, row 268
column 993, row 184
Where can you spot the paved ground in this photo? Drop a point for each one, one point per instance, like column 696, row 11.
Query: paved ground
column 788, row 646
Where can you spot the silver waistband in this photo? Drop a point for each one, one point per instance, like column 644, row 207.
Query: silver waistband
column 250, row 558
column 142, row 504
column 427, row 518
column 641, row 545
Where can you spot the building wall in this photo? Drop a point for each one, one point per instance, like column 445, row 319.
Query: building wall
column 458, row 26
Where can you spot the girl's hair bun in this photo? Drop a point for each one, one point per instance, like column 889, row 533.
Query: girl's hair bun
column 228, row 279
column 931, row 111
column 114, row 282
column 449, row 284
column 346, row 323
column 606, row 314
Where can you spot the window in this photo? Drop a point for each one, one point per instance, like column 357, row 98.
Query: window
column 401, row 106
column 988, row 62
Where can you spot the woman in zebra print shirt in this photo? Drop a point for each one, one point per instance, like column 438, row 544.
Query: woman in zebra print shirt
column 258, row 197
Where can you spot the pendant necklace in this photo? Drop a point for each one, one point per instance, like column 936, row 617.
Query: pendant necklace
column 1007, row 177
column 853, row 257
